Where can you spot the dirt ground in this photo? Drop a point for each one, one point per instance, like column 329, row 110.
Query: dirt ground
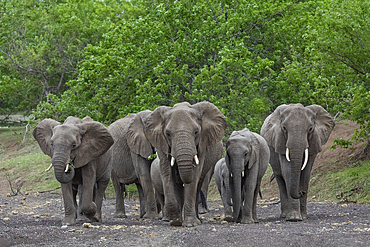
column 35, row 219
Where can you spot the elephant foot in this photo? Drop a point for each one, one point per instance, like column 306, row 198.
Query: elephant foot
column 191, row 221
column 151, row 215
column 228, row 218
column 247, row 221
column 294, row 216
column 68, row 222
column 202, row 210
column 176, row 222
column 119, row 215
column 304, row 216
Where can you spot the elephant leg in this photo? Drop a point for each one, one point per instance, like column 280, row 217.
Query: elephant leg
column 142, row 169
column 70, row 212
column 202, row 209
column 101, row 185
column 88, row 206
column 119, row 189
column 190, row 196
column 249, row 193
column 80, row 215
column 255, row 198
column 171, row 209
column 304, row 181
column 141, row 199
column 227, row 207
column 284, row 200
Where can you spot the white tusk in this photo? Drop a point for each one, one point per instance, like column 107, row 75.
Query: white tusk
column 67, row 167
column 172, row 161
column 231, row 175
column 305, row 159
column 287, row 154
column 242, row 174
column 196, row 159
column 51, row 165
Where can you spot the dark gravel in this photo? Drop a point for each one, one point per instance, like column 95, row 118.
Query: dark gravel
column 36, row 221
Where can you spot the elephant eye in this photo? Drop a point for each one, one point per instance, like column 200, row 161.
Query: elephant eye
column 284, row 129
column 52, row 144
column 310, row 129
column 246, row 153
column 196, row 132
column 168, row 134
column 73, row 145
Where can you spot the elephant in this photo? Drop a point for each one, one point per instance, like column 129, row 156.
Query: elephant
column 221, row 174
column 130, row 163
column 247, row 156
column 184, row 136
column 78, row 151
column 295, row 135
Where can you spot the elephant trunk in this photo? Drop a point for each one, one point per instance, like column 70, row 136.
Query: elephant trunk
column 296, row 156
column 236, row 193
column 60, row 162
column 184, row 152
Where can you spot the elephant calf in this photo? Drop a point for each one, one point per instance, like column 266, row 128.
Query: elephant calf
column 222, row 181
column 246, row 158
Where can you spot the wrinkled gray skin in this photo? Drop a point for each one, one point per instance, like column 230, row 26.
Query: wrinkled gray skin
column 247, row 155
column 130, row 163
column 297, row 128
column 181, row 132
column 84, row 144
column 213, row 153
column 222, row 176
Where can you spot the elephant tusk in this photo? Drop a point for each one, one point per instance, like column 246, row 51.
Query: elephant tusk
column 231, row 175
column 287, row 154
column 196, row 159
column 51, row 165
column 305, row 159
column 242, row 174
column 67, row 167
column 172, row 161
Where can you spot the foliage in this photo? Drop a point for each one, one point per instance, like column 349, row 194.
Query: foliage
column 42, row 42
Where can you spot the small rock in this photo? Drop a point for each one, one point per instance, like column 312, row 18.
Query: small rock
column 6, row 219
column 23, row 198
column 214, row 230
column 223, row 222
column 14, row 212
column 71, row 230
column 86, row 225
column 36, row 216
column 8, row 195
column 64, row 227
column 79, row 231
column 26, row 193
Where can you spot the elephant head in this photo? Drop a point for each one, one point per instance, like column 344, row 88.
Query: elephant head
column 184, row 131
column 297, row 132
column 74, row 140
column 242, row 152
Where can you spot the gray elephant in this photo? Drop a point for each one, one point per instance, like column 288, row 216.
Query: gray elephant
column 181, row 135
column 130, row 163
column 222, row 178
column 247, row 156
column 295, row 135
column 78, row 151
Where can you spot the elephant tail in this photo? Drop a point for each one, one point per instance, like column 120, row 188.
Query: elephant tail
column 203, row 200
column 272, row 177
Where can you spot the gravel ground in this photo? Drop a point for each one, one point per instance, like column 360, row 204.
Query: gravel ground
column 35, row 220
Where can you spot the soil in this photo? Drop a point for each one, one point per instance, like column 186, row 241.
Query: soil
column 35, row 219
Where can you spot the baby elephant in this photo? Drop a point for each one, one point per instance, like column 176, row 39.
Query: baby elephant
column 246, row 157
column 222, row 180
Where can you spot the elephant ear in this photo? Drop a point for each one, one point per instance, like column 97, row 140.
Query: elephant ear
column 324, row 124
column 43, row 133
column 271, row 130
column 153, row 130
column 213, row 124
column 136, row 139
column 87, row 119
column 96, row 140
column 255, row 150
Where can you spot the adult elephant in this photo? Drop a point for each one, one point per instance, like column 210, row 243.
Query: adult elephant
column 78, row 151
column 181, row 135
column 295, row 135
column 130, row 163
column 247, row 156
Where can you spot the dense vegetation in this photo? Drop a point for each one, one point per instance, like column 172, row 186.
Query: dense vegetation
column 110, row 58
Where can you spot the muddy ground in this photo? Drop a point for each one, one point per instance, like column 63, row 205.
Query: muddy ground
column 35, row 220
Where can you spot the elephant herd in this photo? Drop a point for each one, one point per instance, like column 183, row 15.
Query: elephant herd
column 187, row 141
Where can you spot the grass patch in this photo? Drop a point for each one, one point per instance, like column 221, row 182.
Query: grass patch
column 346, row 185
